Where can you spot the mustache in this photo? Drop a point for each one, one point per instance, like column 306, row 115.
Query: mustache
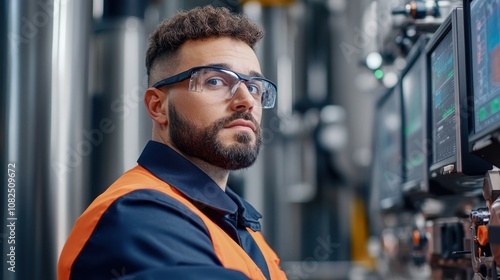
column 238, row 115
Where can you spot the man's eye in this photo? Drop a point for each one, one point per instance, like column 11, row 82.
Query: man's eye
column 215, row 82
column 254, row 89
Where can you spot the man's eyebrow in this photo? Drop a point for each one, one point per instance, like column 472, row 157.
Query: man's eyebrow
column 224, row 65
column 256, row 74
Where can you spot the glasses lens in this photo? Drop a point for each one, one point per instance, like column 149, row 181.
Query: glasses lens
column 263, row 91
column 223, row 83
column 269, row 96
column 215, row 82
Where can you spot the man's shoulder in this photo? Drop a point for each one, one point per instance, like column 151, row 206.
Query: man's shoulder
column 138, row 190
column 136, row 182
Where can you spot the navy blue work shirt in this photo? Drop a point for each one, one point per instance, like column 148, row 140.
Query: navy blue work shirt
column 149, row 235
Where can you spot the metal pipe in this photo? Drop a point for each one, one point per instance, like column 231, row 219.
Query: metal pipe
column 70, row 136
column 120, row 122
column 44, row 118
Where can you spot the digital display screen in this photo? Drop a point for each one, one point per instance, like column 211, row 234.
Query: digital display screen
column 485, row 39
column 388, row 149
column 413, row 91
column 442, row 76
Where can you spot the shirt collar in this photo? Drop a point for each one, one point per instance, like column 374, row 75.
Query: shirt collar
column 248, row 216
column 172, row 168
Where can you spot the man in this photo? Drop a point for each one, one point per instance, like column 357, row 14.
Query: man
column 172, row 216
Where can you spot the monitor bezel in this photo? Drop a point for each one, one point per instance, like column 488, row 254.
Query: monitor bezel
column 398, row 200
column 489, row 151
column 462, row 162
column 416, row 55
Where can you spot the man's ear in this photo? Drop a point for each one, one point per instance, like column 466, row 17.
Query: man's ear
column 156, row 104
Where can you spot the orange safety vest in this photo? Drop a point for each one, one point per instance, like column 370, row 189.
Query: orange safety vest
column 230, row 253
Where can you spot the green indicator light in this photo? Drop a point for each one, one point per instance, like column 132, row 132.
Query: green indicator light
column 482, row 114
column 495, row 105
column 379, row 74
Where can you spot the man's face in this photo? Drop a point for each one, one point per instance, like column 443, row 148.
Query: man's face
column 222, row 132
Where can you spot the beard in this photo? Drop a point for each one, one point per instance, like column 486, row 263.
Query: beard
column 202, row 142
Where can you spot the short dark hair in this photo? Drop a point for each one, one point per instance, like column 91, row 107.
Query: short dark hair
column 198, row 23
